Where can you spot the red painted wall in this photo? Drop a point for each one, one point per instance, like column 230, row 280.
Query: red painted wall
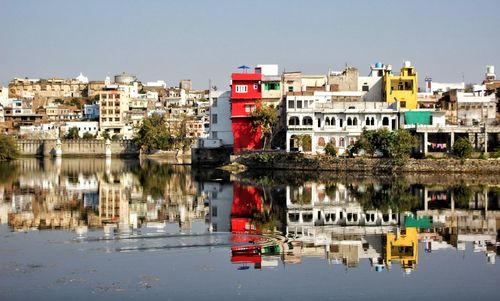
column 245, row 136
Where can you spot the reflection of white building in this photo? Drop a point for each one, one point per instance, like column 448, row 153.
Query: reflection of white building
column 219, row 199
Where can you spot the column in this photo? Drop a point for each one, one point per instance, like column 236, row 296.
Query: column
column 425, row 142
column 452, row 141
column 485, row 140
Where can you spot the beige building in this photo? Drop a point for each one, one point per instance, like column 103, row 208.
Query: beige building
column 114, row 106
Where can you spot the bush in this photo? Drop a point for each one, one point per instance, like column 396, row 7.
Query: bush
column 88, row 135
column 8, row 148
column 72, row 133
column 330, row 149
column 462, row 148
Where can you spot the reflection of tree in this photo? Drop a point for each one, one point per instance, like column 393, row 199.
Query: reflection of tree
column 153, row 178
column 462, row 194
column 396, row 196
column 9, row 171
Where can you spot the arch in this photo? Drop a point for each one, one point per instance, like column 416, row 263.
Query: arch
column 294, row 120
column 355, row 121
column 367, row 121
column 341, row 142
column 352, row 141
column 327, row 121
column 385, row 121
column 373, row 121
column 333, row 141
column 321, row 142
column 349, row 121
column 294, row 143
column 333, row 121
column 307, row 120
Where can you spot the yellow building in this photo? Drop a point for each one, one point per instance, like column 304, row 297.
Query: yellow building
column 403, row 247
column 402, row 88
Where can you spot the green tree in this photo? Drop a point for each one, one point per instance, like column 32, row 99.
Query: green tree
column 76, row 102
column 330, row 149
column 88, row 135
column 402, row 144
column 72, row 133
column 305, row 142
column 105, row 135
column 153, row 134
column 8, row 148
column 462, row 148
column 372, row 141
column 265, row 117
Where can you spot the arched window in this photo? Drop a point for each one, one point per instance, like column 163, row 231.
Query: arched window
column 333, row 121
column 349, row 121
column 355, row 121
column 367, row 121
column 352, row 141
column 333, row 141
column 307, row 121
column 327, row 121
column 341, row 142
column 373, row 121
column 321, row 142
column 385, row 121
column 294, row 120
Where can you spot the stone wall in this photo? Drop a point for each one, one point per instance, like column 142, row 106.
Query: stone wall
column 93, row 148
column 210, row 156
column 324, row 163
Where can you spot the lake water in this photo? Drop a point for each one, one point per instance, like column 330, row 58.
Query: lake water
column 83, row 229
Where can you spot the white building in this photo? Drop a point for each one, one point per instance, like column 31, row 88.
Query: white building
column 220, row 129
column 83, row 127
column 339, row 122
column 219, row 199
column 4, row 96
column 372, row 85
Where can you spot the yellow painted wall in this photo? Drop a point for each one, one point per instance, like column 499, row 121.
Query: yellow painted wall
column 402, row 88
column 404, row 248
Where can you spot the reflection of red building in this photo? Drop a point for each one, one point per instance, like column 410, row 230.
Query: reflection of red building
column 245, row 94
column 246, row 204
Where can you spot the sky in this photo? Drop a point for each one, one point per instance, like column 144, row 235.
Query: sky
column 448, row 40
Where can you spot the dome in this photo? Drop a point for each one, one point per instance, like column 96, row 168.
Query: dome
column 83, row 79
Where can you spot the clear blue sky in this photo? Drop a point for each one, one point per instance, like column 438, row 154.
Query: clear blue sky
column 171, row 40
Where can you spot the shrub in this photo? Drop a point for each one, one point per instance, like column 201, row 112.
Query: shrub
column 72, row 133
column 8, row 148
column 88, row 135
column 462, row 148
column 330, row 149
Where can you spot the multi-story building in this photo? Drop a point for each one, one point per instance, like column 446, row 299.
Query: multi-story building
column 246, row 94
column 114, row 105
column 403, row 88
column 341, row 123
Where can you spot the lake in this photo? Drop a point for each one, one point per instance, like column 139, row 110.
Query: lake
column 112, row 229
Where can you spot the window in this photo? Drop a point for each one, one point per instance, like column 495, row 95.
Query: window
column 214, row 135
column 291, row 104
column 241, row 88
column 299, row 104
column 385, row 121
column 214, row 211
column 214, row 119
column 349, row 121
column 307, row 121
column 319, row 122
column 214, row 102
column 290, row 88
column 249, row 108
column 255, row 86
column 402, row 104
column 355, row 121
column 365, row 88
column 294, row 120
column 327, row 121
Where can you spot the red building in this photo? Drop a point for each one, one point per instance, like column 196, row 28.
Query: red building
column 245, row 95
column 245, row 236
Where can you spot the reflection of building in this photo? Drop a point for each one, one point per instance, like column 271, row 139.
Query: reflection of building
column 402, row 246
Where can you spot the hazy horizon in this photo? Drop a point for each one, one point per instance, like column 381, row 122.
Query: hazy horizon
column 450, row 41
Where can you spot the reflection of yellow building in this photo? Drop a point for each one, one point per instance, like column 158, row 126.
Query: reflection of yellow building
column 403, row 246
column 402, row 88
